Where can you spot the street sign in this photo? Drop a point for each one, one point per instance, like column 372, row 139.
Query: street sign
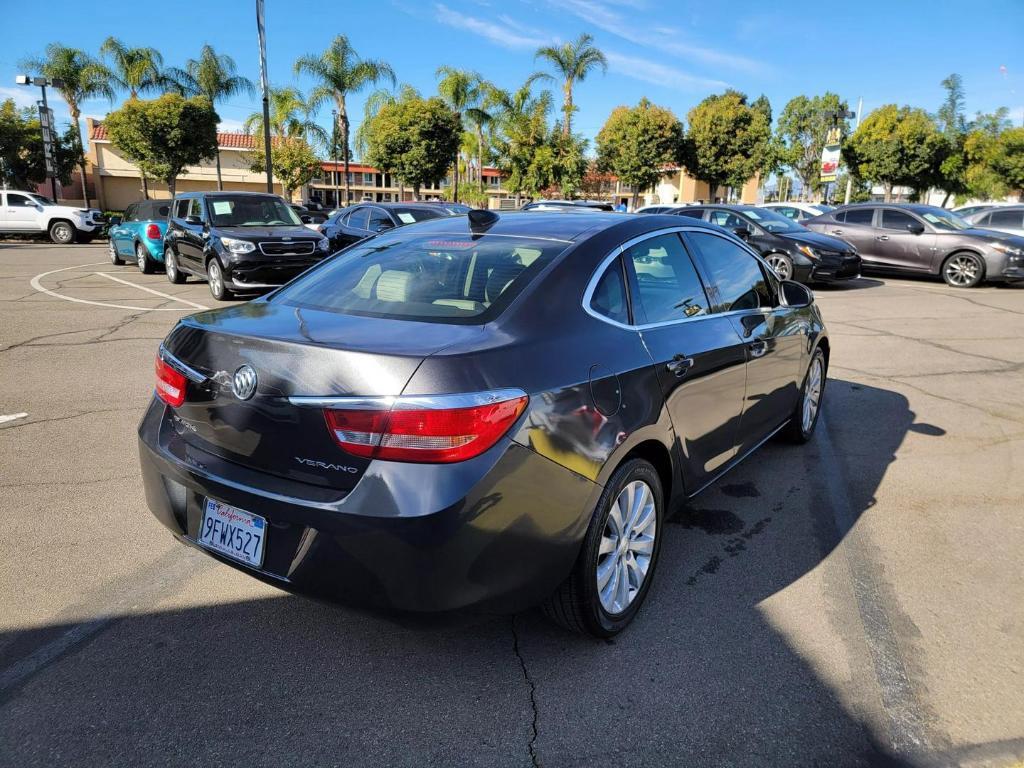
column 829, row 163
column 46, row 121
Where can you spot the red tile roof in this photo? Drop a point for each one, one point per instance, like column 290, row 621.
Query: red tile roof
column 232, row 140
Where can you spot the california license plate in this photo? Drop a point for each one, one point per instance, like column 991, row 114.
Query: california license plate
column 233, row 532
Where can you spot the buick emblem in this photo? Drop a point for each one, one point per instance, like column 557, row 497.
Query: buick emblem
column 243, row 383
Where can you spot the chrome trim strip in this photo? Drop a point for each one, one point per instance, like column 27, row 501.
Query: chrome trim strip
column 409, row 402
column 242, row 286
column 588, row 294
column 181, row 367
column 291, row 246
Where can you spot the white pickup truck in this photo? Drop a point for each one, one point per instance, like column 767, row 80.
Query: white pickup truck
column 29, row 213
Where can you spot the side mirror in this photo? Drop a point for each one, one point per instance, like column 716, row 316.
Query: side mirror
column 306, row 219
column 796, row 294
column 743, row 232
column 115, row 220
column 915, row 228
column 195, row 220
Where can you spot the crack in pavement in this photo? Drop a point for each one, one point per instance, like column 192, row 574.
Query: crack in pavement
column 67, row 417
column 532, row 746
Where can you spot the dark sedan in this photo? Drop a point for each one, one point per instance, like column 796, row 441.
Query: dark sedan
column 350, row 225
column 490, row 411
column 925, row 240
column 791, row 250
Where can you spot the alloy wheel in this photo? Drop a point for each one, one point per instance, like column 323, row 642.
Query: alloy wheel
column 962, row 270
column 170, row 267
column 812, row 394
column 216, row 279
column 626, row 547
column 114, row 258
column 780, row 264
column 140, row 257
column 62, row 233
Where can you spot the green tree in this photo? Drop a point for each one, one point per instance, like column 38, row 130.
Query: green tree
column 521, row 132
column 293, row 163
column 636, row 143
column 214, row 76
column 728, row 141
column 981, row 181
column 802, row 133
column 341, row 72
column 82, row 77
column 414, row 140
column 572, row 62
column 164, row 135
column 135, row 70
column 571, row 163
column 464, row 92
column 290, row 117
column 896, row 146
column 22, row 164
column 952, row 123
column 1008, row 158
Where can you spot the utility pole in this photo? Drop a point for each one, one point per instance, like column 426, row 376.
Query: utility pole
column 849, row 176
column 334, row 156
column 262, row 33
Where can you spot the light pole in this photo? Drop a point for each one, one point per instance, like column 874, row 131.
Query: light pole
column 334, row 156
column 46, row 123
column 261, row 32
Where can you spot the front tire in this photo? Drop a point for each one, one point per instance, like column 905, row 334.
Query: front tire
column 805, row 415
column 143, row 260
column 115, row 257
column 963, row 270
column 174, row 274
column 62, row 233
column 781, row 264
column 215, row 278
column 615, row 567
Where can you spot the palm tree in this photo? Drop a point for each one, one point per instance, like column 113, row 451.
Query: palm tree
column 82, row 77
column 573, row 62
column 464, row 92
column 340, row 72
column 521, row 122
column 290, row 118
column 135, row 70
column 212, row 75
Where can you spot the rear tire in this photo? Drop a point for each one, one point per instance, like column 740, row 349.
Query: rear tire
column 215, row 277
column 174, row 274
column 808, row 407
column 963, row 270
column 115, row 257
column 144, row 260
column 580, row 603
column 62, row 232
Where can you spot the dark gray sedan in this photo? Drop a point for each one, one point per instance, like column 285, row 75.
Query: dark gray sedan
column 484, row 410
column 925, row 240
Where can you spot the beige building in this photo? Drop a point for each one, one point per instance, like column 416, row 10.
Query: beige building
column 677, row 187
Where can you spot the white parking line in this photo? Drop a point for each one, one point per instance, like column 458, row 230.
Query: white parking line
column 12, row 417
column 36, row 283
column 150, row 290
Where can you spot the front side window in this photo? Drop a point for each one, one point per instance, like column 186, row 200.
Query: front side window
column 129, row 215
column 250, row 211
column 181, row 209
column 359, row 218
column 668, row 287
column 379, row 221
column 739, row 281
column 727, row 219
column 1011, row 219
column 789, row 213
column 896, row 220
column 19, row 201
column 862, row 216
column 445, row 279
column 609, row 297
column 693, row 213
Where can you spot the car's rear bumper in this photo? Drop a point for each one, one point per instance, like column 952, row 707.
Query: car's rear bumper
column 500, row 531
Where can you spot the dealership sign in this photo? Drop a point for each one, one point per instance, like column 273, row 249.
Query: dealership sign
column 829, row 162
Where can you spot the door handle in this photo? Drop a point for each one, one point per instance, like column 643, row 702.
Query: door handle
column 837, row 231
column 881, row 237
column 757, row 347
column 679, row 365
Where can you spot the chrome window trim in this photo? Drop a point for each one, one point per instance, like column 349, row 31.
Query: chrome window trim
column 181, row 367
column 595, row 278
column 408, row 402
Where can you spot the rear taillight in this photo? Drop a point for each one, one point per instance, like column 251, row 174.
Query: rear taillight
column 170, row 384
column 153, row 232
column 423, row 428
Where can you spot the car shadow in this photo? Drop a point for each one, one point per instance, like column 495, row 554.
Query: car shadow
column 716, row 670
column 856, row 284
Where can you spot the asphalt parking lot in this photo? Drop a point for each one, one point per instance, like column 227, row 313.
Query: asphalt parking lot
column 859, row 601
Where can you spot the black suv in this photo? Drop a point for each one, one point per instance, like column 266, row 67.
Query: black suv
column 350, row 225
column 792, row 251
column 238, row 241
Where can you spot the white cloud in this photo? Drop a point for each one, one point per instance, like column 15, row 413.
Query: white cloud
column 660, row 74
column 230, row 126
column 23, row 96
column 506, row 35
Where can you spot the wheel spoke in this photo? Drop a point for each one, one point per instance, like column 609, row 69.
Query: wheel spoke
column 608, row 544
column 610, row 588
column 643, row 545
column 605, row 571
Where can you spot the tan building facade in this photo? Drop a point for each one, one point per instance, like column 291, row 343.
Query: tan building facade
column 678, row 187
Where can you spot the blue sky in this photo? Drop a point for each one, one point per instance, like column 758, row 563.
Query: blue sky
column 674, row 53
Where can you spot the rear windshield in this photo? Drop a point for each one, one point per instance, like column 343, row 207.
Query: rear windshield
column 250, row 211
column 412, row 215
column 437, row 278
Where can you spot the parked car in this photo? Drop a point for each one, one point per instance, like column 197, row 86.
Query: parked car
column 553, row 205
column 662, row 207
column 966, row 210
column 925, row 240
column 138, row 235
column 26, row 213
column 238, row 242
column 491, row 410
column 1009, row 219
column 350, row 225
column 453, row 209
column 308, row 217
column 792, row 251
column 799, row 212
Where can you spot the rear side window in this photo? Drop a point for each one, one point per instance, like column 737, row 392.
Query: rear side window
column 727, row 219
column 857, row 216
column 359, row 218
column 1011, row 219
column 896, row 219
column 447, row 279
column 693, row 213
column 609, row 297
column 668, row 287
column 739, row 281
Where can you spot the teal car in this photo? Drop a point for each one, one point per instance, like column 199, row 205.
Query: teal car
column 139, row 235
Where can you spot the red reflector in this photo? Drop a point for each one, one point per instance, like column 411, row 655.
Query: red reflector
column 426, row 435
column 170, row 385
column 153, row 232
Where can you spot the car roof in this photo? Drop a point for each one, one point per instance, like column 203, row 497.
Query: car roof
column 557, row 226
column 226, row 193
